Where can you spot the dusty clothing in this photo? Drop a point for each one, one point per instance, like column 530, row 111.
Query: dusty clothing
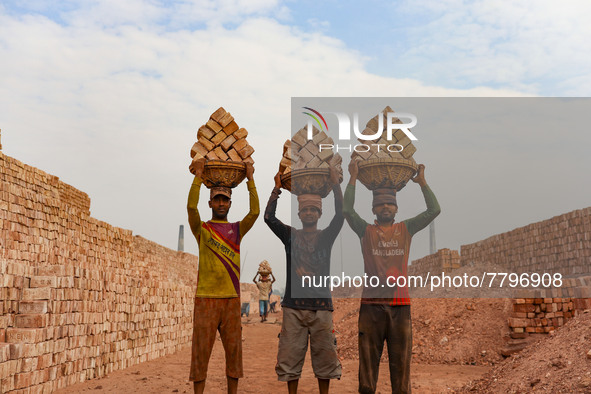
column 385, row 254
column 217, row 300
column 264, row 289
column 385, row 311
column 211, row 314
column 386, row 248
column 379, row 323
column 306, row 254
column 293, row 344
column 219, row 246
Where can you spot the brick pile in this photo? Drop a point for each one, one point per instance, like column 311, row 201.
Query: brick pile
column 80, row 298
column 561, row 244
column 543, row 310
column 444, row 260
column 379, row 147
column 222, row 139
column 299, row 152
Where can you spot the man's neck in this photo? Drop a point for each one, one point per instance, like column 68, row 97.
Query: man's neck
column 309, row 228
column 386, row 223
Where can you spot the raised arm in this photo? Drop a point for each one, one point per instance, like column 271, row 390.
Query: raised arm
column 252, row 215
column 423, row 219
column 355, row 221
column 255, row 278
column 337, row 221
column 281, row 230
column 194, row 218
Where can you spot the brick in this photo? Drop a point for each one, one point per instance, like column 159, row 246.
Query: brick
column 226, row 119
column 285, row 162
column 240, row 133
column 39, row 293
column 314, row 163
column 27, row 307
column 207, row 144
column 214, row 126
column 240, row 144
column 524, row 308
column 286, row 146
column 212, row 156
column 24, row 335
column 233, row 155
column 218, row 114
column 16, row 351
column 300, row 138
column 227, row 143
column 375, row 136
column 325, row 154
column 218, row 138
column 7, row 384
column 408, row 151
column 373, row 123
column 205, row 132
column 231, row 128
column 4, row 352
column 198, row 149
column 312, row 148
column 2, row 335
column 43, row 281
column 246, row 151
column 22, row 380
column 248, row 160
column 318, row 138
column 515, row 322
column 52, row 270
column 220, row 153
column 31, row 320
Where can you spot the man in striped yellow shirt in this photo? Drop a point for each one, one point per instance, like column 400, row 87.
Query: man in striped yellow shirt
column 217, row 300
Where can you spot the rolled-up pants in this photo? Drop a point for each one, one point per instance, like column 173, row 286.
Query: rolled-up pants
column 379, row 323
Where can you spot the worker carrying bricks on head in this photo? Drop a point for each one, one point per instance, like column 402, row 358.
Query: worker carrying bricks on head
column 217, row 300
column 264, row 285
column 307, row 313
column 385, row 311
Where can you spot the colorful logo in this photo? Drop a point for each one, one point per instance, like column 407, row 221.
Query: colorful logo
column 315, row 118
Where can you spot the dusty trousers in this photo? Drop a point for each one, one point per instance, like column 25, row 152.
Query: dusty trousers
column 379, row 323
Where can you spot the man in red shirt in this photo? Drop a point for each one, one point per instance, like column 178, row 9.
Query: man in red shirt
column 384, row 314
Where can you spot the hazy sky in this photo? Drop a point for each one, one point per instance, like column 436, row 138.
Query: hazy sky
column 108, row 95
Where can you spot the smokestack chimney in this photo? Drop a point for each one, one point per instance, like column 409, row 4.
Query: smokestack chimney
column 181, row 247
column 432, row 246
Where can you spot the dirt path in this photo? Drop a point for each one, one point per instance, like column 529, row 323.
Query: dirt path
column 170, row 374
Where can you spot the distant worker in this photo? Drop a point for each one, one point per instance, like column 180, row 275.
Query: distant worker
column 264, row 285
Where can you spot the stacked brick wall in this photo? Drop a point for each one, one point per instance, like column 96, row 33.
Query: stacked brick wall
column 444, row 260
column 80, row 298
column 561, row 244
column 543, row 310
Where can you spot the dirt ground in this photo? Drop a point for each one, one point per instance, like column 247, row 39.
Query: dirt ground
column 170, row 374
column 559, row 363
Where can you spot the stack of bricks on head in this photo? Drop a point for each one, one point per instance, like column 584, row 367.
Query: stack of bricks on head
column 222, row 139
column 300, row 153
column 399, row 147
